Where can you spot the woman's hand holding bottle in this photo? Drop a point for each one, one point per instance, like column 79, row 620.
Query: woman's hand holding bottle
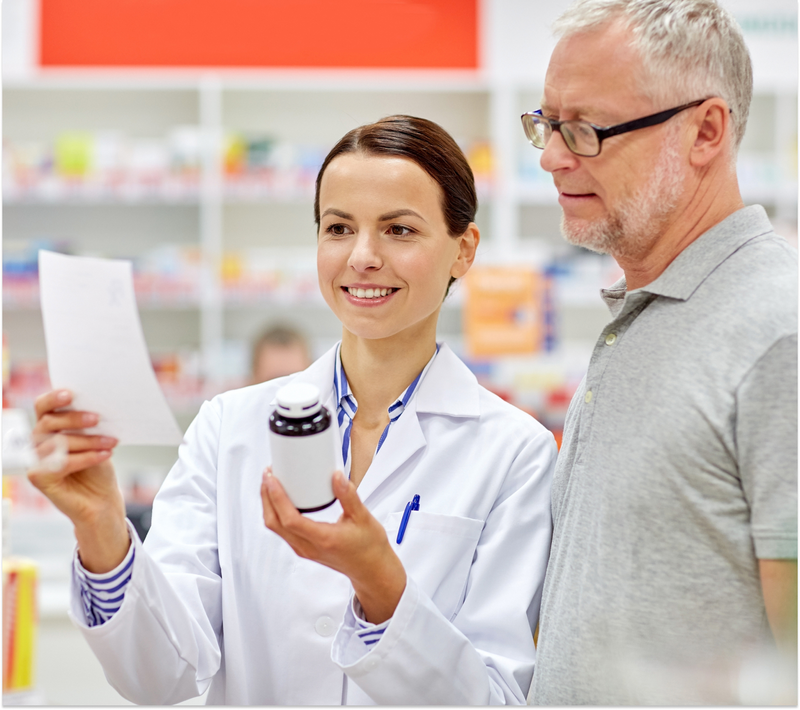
column 355, row 545
column 84, row 487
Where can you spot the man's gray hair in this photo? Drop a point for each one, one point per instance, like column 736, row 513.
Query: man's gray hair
column 690, row 49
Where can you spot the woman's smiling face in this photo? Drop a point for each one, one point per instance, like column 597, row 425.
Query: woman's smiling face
column 384, row 256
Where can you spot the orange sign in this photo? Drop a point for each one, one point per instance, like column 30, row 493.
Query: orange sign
column 431, row 34
column 503, row 312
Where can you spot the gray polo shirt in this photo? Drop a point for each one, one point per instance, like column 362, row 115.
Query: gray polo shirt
column 677, row 472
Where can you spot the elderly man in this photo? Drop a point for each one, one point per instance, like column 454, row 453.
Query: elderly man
column 673, row 572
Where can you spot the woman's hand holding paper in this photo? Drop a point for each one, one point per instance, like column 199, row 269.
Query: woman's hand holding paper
column 84, row 487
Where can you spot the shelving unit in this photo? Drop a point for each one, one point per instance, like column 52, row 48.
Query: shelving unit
column 218, row 216
column 211, row 213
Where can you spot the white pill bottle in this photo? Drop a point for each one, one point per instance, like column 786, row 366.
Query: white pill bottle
column 303, row 444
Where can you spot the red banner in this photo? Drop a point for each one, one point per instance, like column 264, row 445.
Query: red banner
column 433, row 34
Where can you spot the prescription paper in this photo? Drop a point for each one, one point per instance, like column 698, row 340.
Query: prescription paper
column 96, row 348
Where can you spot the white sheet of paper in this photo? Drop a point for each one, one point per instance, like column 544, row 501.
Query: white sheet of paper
column 96, row 348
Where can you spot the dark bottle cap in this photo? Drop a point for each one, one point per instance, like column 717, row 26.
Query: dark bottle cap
column 299, row 411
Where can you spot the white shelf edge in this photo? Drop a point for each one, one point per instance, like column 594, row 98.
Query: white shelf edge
column 417, row 81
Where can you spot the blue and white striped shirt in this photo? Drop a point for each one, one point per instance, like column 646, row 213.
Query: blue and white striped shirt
column 347, row 406
column 102, row 594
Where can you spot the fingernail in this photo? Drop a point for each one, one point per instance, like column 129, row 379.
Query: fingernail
column 90, row 419
column 107, row 441
column 63, row 396
column 272, row 484
column 104, row 454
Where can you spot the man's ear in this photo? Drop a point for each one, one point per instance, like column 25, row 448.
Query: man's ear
column 713, row 129
column 467, row 246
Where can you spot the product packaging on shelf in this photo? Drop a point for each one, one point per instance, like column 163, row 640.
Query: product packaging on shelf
column 20, row 623
column 503, row 311
column 20, row 615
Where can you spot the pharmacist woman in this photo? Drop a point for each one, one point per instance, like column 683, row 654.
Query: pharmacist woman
column 236, row 592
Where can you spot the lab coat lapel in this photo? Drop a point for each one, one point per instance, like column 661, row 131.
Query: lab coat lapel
column 448, row 388
column 404, row 440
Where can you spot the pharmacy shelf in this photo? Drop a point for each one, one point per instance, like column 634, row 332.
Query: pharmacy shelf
column 227, row 219
column 215, row 105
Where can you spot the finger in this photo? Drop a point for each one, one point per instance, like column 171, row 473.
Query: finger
column 77, row 443
column 290, row 519
column 283, row 507
column 86, row 459
column 345, row 491
column 61, row 421
column 52, row 400
column 270, row 517
column 272, row 521
column 74, row 463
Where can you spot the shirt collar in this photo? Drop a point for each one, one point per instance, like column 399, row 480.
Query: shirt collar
column 346, row 400
column 697, row 261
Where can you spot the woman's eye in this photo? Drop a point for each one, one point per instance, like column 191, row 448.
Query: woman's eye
column 398, row 230
column 338, row 230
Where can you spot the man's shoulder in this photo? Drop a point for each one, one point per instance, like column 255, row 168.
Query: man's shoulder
column 749, row 301
column 770, row 250
column 764, row 272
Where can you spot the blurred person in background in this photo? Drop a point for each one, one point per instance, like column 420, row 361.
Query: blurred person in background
column 673, row 570
column 234, row 590
column 277, row 352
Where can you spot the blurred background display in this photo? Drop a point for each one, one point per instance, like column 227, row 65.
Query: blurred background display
column 186, row 135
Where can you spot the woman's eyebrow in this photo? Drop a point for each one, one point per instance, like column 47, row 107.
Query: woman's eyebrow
column 401, row 213
column 338, row 213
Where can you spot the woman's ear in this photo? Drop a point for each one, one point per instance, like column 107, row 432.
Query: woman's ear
column 467, row 246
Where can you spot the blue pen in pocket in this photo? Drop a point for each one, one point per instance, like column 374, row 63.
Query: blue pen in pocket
column 412, row 505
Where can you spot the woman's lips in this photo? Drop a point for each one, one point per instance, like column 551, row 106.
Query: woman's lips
column 357, row 299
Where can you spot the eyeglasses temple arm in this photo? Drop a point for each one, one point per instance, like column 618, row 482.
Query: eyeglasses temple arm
column 646, row 122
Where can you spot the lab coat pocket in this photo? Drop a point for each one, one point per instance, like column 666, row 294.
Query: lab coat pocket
column 437, row 551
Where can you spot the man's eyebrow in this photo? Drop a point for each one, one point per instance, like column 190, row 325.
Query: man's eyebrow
column 401, row 213
column 338, row 213
column 580, row 111
column 545, row 108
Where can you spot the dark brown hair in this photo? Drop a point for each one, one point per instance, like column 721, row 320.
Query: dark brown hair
column 430, row 147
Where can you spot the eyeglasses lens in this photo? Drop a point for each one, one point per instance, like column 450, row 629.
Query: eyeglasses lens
column 581, row 138
column 536, row 130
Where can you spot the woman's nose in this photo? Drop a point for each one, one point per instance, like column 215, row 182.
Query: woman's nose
column 556, row 155
column 365, row 255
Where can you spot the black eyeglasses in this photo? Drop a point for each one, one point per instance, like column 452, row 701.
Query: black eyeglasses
column 584, row 138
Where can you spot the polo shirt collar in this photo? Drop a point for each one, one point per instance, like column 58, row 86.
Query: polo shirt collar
column 696, row 263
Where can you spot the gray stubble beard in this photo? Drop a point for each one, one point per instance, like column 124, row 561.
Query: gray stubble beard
column 638, row 222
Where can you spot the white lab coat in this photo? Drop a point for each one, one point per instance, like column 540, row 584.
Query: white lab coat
column 217, row 599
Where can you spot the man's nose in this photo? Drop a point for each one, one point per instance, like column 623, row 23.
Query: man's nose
column 556, row 155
